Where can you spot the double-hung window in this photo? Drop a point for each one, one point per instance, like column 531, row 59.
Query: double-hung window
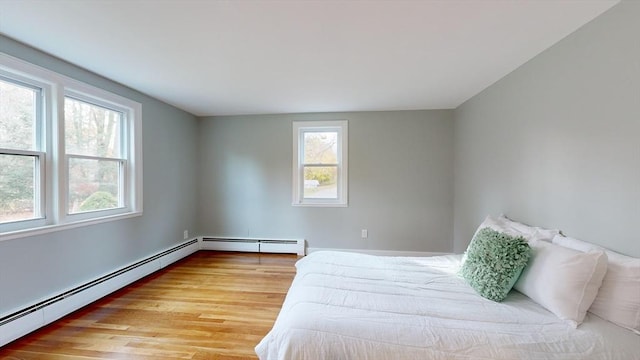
column 70, row 153
column 320, row 163
column 22, row 153
column 95, row 158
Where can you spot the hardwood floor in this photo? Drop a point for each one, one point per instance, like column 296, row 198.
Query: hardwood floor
column 210, row 305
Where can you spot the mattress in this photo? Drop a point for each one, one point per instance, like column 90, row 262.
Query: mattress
column 354, row 306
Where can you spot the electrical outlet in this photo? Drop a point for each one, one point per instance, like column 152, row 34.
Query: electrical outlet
column 185, row 234
column 365, row 233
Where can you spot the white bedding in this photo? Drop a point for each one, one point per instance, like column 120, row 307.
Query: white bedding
column 355, row 306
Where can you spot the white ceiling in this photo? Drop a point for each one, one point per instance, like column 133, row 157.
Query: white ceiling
column 257, row 57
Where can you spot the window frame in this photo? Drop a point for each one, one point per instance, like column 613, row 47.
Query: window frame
column 54, row 169
column 40, row 150
column 300, row 128
column 123, row 190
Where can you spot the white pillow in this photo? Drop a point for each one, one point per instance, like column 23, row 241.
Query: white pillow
column 618, row 299
column 532, row 232
column 513, row 228
column 563, row 280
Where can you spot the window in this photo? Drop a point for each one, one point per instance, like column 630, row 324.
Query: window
column 21, row 156
column 320, row 163
column 94, row 162
column 70, row 153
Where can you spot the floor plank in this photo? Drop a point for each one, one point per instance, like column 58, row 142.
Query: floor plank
column 211, row 305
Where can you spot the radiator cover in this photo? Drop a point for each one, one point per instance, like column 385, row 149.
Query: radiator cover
column 293, row 246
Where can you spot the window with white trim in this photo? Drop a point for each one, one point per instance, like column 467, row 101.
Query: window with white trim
column 22, row 157
column 320, row 163
column 70, row 153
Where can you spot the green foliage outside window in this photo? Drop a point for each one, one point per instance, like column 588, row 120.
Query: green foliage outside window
column 321, row 148
column 98, row 201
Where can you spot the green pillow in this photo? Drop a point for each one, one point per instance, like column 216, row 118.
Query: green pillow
column 494, row 263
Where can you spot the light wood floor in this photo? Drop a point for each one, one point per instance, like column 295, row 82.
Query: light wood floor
column 208, row 306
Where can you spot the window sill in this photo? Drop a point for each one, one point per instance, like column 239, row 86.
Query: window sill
column 9, row 235
column 319, row 205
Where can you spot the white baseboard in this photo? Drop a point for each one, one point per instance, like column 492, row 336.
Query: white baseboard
column 28, row 319
column 381, row 252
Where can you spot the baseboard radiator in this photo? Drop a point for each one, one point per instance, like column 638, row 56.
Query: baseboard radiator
column 28, row 319
column 295, row 246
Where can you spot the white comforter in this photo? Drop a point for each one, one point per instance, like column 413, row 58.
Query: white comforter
column 354, row 306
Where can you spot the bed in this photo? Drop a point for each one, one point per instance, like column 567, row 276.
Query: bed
column 353, row 306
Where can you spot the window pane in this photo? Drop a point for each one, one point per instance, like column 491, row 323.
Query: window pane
column 91, row 129
column 17, row 179
column 321, row 147
column 93, row 185
column 320, row 182
column 17, row 116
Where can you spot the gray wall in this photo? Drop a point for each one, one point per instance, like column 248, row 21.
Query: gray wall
column 36, row 267
column 557, row 142
column 400, row 181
